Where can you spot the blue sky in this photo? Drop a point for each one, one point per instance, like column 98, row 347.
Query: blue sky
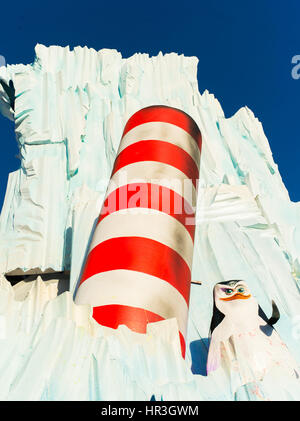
column 244, row 48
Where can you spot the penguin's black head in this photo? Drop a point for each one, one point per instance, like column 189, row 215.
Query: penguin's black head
column 218, row 316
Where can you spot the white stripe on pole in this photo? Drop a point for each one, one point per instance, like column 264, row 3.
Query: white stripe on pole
column 156, row 173
column 157, row 226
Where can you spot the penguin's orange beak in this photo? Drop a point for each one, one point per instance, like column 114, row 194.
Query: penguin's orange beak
column 236, row 296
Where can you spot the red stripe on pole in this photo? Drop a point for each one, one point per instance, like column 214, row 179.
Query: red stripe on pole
column 182, row 344
column 149, row 196
column 136, row 319
column 141, row 255
column 165, row 114
column 159, row 151
column 113, row 315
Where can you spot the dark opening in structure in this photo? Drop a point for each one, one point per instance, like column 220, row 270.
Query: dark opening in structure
column 63, row 279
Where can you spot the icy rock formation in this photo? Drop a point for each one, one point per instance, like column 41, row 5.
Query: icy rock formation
column 64, row 354
column 69, row 111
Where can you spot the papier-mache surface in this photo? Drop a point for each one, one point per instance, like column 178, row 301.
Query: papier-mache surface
column 70, row 110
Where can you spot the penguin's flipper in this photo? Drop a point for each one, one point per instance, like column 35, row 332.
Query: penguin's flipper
column 275, row 314
column 214, row 355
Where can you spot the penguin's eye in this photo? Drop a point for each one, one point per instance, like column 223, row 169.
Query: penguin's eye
column 228, row 291
column 241, row 290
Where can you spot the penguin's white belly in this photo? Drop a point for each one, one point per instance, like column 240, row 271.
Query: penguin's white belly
column 251, row 354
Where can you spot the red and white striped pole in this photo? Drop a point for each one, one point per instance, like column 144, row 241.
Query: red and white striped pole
column 138, row 269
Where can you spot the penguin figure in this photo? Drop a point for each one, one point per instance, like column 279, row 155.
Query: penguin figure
column 243, row 339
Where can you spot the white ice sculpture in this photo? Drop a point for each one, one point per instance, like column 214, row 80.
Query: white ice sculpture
column 69, row 112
